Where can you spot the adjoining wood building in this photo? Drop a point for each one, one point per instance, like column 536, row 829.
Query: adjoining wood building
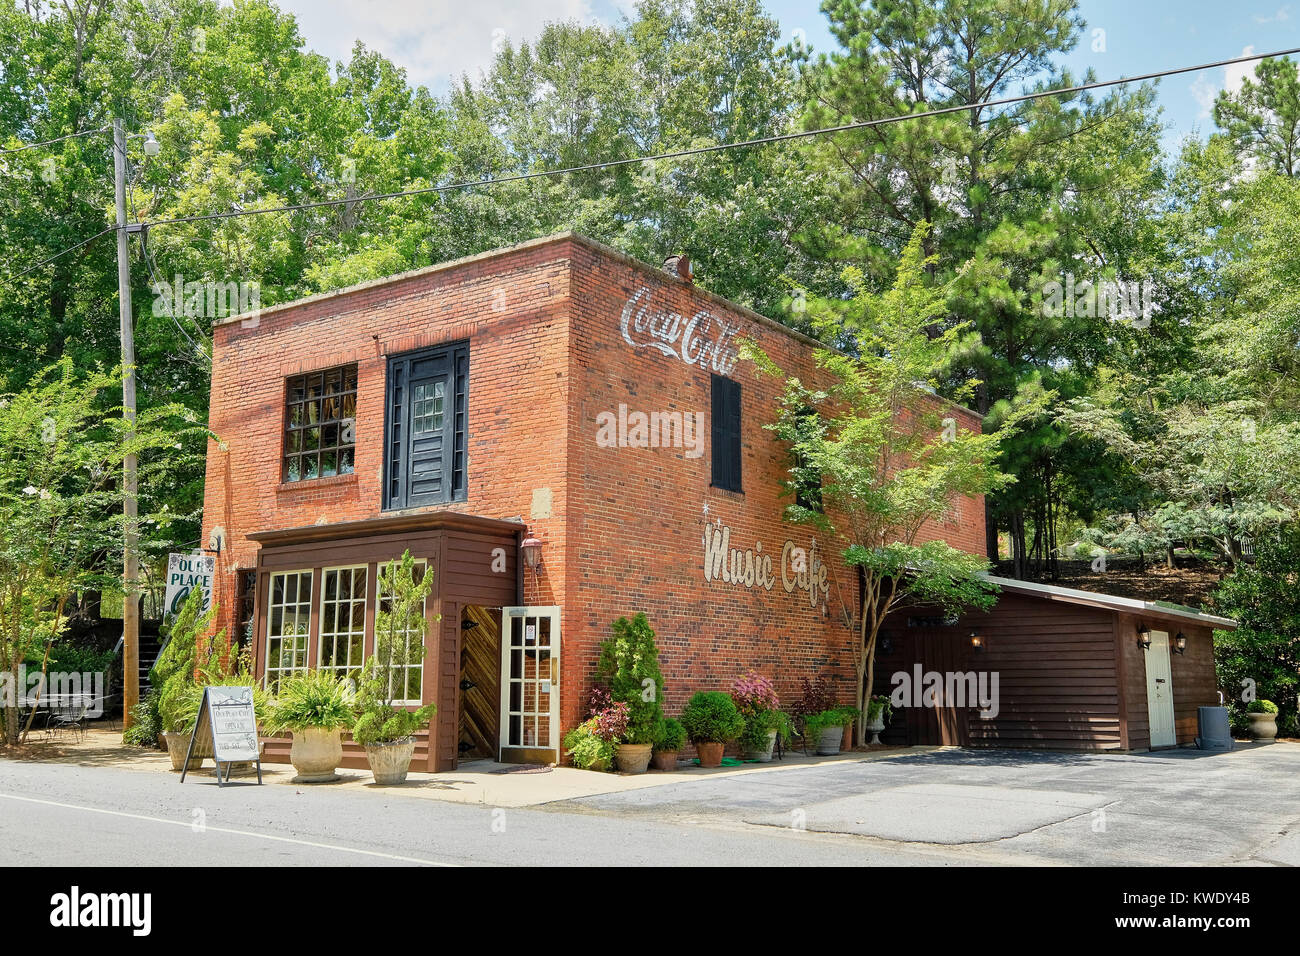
column 566, row 436
column 1075, row 670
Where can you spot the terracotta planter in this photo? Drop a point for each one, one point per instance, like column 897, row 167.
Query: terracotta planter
column 665, row 759
column 710, row 753
column 316, row 754
column 1263, row 726
column 828, row 741
column 761, row 756
column 632, row 758
column 177, row 746
column 389, row 762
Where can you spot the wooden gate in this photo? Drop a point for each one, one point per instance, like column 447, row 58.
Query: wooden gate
column 480, row 674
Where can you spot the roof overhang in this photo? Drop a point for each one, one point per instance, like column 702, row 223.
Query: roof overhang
column 1155, row 610
column 389, row 524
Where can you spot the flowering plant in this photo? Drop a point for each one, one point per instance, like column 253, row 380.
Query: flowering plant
column 754, row 693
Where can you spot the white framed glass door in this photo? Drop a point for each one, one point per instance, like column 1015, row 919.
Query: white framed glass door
column 530, row 679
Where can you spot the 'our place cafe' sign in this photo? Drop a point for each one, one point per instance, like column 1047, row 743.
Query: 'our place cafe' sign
column 185, row 572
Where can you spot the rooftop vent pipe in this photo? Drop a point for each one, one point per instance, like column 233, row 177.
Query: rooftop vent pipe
column 680, row 267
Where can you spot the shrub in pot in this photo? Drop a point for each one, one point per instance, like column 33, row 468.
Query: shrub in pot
column 756, row 699
column 592, row 744
column 879, row 708
column 629, row 670
column 825, row 730
column 173, row 676
column 669, row 743
column 383, row 726
column 711, row 720
column 316, row 707
column 1263, row 719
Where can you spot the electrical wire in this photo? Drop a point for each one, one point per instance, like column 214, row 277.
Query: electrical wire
column 50, row 142
column 676, row 154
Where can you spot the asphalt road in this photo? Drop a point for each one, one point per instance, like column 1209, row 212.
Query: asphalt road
column 941, row 808
column 62, row 815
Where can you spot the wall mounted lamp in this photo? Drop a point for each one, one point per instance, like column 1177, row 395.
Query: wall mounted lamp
column 976, row 640
column 531, row 549
column 1180, row 643
column 1144, row 637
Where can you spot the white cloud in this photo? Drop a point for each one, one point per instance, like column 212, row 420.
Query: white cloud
column 1281, row 16
column 1205, row 90
column 434, row 42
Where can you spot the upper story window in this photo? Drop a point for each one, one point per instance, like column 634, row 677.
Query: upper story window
column 320, row 424
column 426, row 409
column 726, row 433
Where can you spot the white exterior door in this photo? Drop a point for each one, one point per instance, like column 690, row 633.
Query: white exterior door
column 1160, row 691
column 530, row 680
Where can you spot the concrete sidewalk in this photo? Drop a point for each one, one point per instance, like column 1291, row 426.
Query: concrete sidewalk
column 481, row 782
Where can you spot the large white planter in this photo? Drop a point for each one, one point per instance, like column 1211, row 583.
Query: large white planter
column 1263, row 726
column 390, row 762
column 316, row 754
column 828, row 742
column 876, row 726
column 761, row 756
column 177, row 746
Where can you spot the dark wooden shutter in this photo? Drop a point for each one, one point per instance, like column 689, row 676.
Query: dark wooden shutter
column 726, row 433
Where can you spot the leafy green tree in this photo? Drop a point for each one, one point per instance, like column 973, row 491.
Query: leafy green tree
column 1262, row 118
column 62, row 447
column 1263, row 654
column 629, row 666
column 888, row 464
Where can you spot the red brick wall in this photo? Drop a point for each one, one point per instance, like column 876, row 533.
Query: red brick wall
column 638, row 513
column 546, row 357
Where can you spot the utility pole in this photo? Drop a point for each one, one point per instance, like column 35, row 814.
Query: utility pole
column 130, row 563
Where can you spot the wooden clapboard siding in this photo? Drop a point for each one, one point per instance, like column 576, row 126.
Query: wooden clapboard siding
column 275, row 749
column 1194, row 680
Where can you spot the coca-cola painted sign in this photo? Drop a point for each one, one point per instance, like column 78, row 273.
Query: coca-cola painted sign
column 704, row 339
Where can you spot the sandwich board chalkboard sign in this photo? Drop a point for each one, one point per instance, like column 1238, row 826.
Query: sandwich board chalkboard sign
column 226, row 731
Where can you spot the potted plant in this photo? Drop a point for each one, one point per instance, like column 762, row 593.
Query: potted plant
column 592, row 743
column 711, row 720
column 629, row 669
column 756, row 699
column 178, row 708
column 825, row 729
column 1263, row 719
column 669, row 743
column 173, row 676
column 385, row 728
column 316, row 707
column 879, row 709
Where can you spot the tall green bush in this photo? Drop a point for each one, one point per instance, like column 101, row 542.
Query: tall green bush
column 629, row 667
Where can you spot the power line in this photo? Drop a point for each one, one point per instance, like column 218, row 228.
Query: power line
column 677, row 154
column 51, row 142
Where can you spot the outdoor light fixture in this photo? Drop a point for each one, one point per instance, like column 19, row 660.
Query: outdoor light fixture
column 977, row 640
column 151, row 146
column 886, row 645
column 1180, row 643
column 532, row 552
column 1144, row 637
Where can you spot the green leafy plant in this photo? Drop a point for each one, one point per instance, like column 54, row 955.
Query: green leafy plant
column 1261, row 707
column 629, row 667
column 759, row 727
column 814, row 724
column 879, row 705
column 311, row 700
column 399, row 643
column 671, row 736
column 711, row 717
column 145, row 723
column 587, row 746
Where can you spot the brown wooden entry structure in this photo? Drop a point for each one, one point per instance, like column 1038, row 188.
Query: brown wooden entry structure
column 1072, row 674
column 476, row 567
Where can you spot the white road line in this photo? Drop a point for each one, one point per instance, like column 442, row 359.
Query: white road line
column 243, row 833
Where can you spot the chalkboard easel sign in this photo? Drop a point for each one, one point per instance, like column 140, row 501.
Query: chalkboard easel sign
column 226, row 731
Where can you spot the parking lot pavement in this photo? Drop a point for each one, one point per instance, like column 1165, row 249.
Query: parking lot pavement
column 1175, row 807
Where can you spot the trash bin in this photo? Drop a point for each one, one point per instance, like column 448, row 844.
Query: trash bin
column 1214, row 733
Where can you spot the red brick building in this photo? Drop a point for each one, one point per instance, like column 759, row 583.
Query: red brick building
column 463, row 409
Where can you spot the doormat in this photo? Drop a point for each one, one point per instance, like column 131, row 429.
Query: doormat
column 525, row 768
column 726, row 762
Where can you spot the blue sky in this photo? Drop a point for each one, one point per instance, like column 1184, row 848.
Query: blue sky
column 437, row 40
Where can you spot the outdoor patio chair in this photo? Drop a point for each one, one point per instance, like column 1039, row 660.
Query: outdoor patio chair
column 71, row 717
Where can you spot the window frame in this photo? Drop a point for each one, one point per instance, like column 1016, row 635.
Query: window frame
column 294, row 438
column 725, row 432
column 349, row 671
column 396, row 495
column 272, row 675
column 417, row 667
